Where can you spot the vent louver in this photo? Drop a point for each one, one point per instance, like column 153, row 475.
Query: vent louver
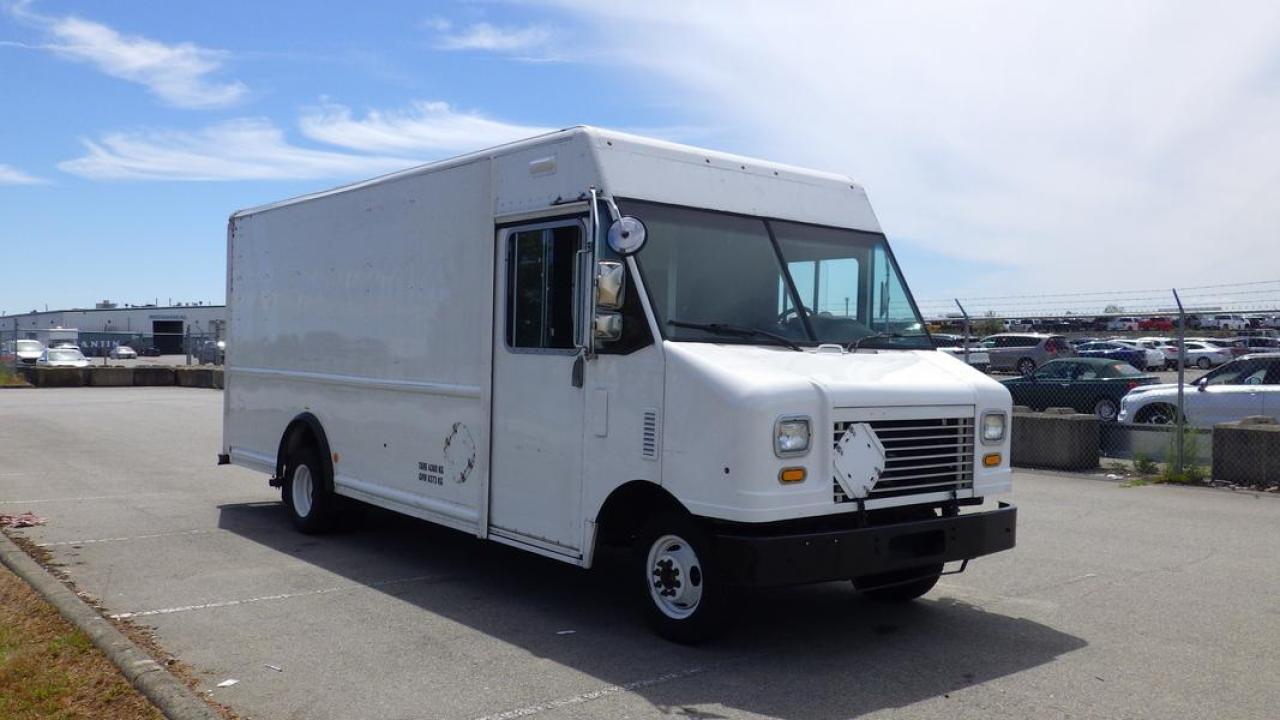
column 649, row 435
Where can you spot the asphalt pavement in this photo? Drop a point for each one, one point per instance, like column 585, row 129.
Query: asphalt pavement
column 1119, row 602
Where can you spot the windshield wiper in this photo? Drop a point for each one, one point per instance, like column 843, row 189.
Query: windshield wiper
column 736, row 330
column 857, row 344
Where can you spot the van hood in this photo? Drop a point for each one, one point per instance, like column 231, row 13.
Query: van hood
column 885, row 378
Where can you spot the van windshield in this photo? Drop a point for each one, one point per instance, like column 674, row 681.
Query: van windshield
column 806, row 283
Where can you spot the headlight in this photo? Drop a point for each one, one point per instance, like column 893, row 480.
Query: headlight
column 791, row 436
column 993, row 427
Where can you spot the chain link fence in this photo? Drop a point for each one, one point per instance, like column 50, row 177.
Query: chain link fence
column 24, row 349
column 1182, row 386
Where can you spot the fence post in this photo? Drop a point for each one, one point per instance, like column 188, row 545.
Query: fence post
column 186, row 342
column 1182, row 363
column 964, row 341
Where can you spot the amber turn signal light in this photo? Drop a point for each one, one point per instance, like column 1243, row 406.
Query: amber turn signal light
column 791, row 475
column 991, row 460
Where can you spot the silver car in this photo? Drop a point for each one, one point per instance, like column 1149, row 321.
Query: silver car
column 1024, row 352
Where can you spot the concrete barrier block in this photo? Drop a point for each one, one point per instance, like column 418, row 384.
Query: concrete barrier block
column 1247, row 452
column 1058, row 438
column 153, row 376
column 219, row 381
column 108, row 376
column 56, row 377
column 194, row 377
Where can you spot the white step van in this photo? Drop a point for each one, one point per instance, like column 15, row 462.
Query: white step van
column 588, row 338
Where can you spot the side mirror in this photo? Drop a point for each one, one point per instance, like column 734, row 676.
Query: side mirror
column 627, row 235
column 611, row 277
column 608, row 326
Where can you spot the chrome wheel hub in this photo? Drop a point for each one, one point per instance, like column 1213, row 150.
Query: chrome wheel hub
column 675, row 576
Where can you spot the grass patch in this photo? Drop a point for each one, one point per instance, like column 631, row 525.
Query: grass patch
column 9, row 378
column 49, row 669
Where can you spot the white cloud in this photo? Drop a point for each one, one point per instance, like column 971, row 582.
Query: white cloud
column 424, row 127
column 10, row 175
column 484, row 36
column 178, row 73
column 1086, row 145
column 246, row 149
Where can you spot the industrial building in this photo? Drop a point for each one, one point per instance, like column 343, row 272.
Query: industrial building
column 107, row 325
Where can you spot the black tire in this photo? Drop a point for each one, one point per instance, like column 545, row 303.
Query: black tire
column 900, row 585
column 1106, row 409
column 1026, row 366
column 685, row 600
column 1204, row 363
column 1157, row 414
column 318, row 513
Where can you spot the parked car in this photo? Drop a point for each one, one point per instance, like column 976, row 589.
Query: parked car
column 28, row 351
column 1077, row 342
column 1234, row 347
column 1246, row 386
column 1257, row 344
column 1017, row 324
column 1156, row 323
column 1225, row 322
column 1204, row 355
column 123, row 352
column 210, row 352
column 979, row 359
column 1024, row 352
column 1123, row 324
column 150, row 351
column 63, row 357
column 1089, row 385
column 1114, row 351
column 1155, row 357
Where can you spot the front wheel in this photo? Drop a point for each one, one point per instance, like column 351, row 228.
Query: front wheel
column 1204, row 363
column 685, row 601
column 1026, row 366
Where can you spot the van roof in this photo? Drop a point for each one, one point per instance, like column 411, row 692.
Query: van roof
column 619, row 156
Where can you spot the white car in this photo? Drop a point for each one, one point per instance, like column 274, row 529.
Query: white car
column 1204, row 356
column 953, row 345
column 1122, row 324
column 63, row 357
column 28, row 351
column 123, row 352
column 1247, row 386
column 1225, row 322
column 1156, row 359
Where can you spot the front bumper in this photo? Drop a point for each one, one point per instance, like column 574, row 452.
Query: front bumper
column 799, row 558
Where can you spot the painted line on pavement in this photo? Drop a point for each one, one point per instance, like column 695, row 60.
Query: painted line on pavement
column 78, row 499
column 281, row 596
column 61, row 543
column 605, row 691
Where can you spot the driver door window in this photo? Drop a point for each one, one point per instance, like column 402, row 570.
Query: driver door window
column 540, row 272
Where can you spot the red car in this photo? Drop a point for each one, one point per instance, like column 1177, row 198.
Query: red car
column 1156, row 323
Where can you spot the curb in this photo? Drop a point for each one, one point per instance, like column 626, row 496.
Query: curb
column 165, row 691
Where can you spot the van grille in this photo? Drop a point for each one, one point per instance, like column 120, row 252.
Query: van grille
column 921, row 456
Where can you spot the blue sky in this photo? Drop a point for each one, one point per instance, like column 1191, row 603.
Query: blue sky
column 1007, row 148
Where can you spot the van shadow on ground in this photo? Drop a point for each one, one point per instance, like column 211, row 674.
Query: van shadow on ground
column 811, row 652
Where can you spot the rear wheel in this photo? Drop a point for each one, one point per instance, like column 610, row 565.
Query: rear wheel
column 684, row 598
column 308, row 493
column 1204, row 363
column 1106, row 409
column 1026, row 366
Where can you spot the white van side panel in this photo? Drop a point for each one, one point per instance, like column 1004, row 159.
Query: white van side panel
column 371, row 310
